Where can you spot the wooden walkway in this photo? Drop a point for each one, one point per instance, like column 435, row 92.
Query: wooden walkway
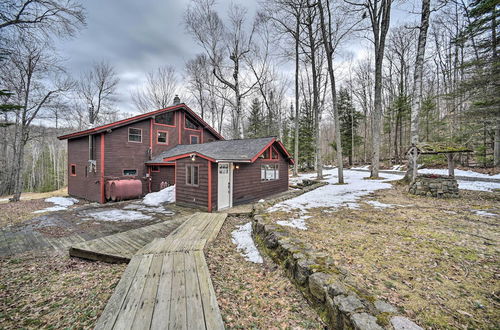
column 121, row 247
column 167, row 283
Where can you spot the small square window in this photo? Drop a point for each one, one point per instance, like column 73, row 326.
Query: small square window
column 194, row 139
column 72, row 170
column 130, row 172
column 135, row 135
column 162, row 137
column 155, row 168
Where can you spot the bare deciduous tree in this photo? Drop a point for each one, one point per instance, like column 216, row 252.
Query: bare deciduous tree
column 228, row 46
column 37, row 80
column 159, row 90
column 63, row 17
column 97, row 88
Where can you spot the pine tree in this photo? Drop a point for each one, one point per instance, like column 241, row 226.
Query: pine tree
column 349, row 122
column 255, row 123
column 484, row 69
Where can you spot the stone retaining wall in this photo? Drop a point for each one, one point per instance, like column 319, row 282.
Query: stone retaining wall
column 329, row 289
column 434, row 185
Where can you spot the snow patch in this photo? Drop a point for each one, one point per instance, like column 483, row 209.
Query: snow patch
column 242, row 238
column 484, row 213
column 144, row 208
column 299, row 223
column 118, row 215
column 261, row 201
column 379, row 205
column 334, row 195
column 478, row 185
column 442, row 171
column 166, row 195
column 61, row 203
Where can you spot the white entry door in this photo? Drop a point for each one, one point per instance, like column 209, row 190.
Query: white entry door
column 224, row 187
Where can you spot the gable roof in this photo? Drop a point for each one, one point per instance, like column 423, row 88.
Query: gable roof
column 140, row 117
column 241, row 150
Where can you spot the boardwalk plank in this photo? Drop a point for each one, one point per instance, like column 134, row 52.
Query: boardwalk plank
column 147, row 302
column 131, row 303
column 178, row 316
column 161, row 312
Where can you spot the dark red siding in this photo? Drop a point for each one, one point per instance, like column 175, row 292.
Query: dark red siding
column 249, row 187
column 84, row 184
column 189, row 195
column 166, row 174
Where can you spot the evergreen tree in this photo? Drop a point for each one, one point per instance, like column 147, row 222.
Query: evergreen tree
column 255, row 126
column 349, row 122
column 306, row 140
column 484, row 69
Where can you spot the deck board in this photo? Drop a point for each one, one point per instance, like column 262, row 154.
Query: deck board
column 120, row 247
column 167, row 283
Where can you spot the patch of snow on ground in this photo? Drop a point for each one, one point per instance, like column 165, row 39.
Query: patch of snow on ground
column 242, row 238
column 478, row 185
column 143, row 208
column 366, row 167
column 442, row 171
column 261, row 200
column 379, row 205
column 334, row 195
column 118, row 215
column 484, row 213
column 61, row 203
column 166, row 195
column 299, row 223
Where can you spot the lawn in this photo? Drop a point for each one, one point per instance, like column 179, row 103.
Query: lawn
column 54, row 291
column 435, row 258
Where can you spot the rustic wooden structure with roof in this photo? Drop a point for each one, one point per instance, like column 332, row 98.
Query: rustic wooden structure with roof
column 449, row 150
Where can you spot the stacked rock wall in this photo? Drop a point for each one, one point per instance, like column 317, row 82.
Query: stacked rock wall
column 327, row 287
column 434, row 185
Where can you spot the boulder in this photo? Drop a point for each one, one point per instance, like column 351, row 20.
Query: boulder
column 348, row 304
column 403, row 323
column 365, row 321
column 317, row 285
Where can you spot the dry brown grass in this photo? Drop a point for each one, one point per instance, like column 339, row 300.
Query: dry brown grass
column 433, row 257
column 34, row 195
column 54, row 292
column 254, row 296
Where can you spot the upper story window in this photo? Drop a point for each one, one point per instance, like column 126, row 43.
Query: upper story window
column 162, row 137
column 269, row 153
column 274, row 153
column 167, row 118
column 134, row 135
column 194, row 139
column 191, row 124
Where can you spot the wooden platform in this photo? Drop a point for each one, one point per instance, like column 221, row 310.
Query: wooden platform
column 167, row 283
column 121, row 247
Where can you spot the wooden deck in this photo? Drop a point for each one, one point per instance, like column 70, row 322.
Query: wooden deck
column 121, row 247
column 167, row 283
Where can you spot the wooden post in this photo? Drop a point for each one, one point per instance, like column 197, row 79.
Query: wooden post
column 451, row 165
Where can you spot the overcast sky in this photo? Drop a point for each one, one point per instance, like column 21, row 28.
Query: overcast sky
column 137, row 36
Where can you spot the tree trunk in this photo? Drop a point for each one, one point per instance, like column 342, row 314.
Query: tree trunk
column 296, row 140
column 329, row 59
column 416, row 103
column 496, row 146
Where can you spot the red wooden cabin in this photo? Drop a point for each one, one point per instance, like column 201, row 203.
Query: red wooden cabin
column 174, row 146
